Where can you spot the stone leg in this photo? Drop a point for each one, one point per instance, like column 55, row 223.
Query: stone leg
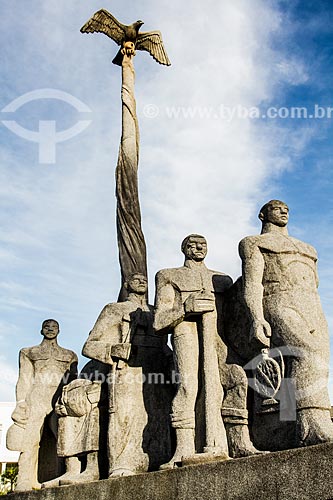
column 313, row 426
column 128, row 423
column 91, row 473
column 185, row 448
column 234, row 411
column 239, row 441
column 73, row 468
column 40, row 407
column 121, row 471
column 186, row 351
column 28, row 464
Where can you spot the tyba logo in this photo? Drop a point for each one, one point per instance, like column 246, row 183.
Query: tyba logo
column 47, row 136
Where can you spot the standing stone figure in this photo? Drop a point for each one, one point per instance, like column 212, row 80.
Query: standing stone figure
column 44, row 369
column 188, row 304
column 139, row 402
column 280, row 291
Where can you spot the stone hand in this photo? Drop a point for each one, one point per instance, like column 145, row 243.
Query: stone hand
column 261, row 331
column 60, row 409
column 121, row 351
column 21, row 413
column 199, row 303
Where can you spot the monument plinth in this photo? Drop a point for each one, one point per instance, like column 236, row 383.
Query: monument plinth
column 305, row 474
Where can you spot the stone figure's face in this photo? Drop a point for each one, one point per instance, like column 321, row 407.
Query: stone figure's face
column 50, row 329
column 277, row 213
column 196, row 249
column 137, row 284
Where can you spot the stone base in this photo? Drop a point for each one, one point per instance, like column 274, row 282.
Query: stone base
column 303, row 474
column 204, row 458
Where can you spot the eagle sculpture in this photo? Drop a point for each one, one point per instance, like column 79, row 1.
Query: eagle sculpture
column 127, row 36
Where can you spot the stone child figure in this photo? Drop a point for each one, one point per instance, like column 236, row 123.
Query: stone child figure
column 43, row 371
column 139, row 405
column 280, row 290
column 188, row 305
column 78, row 431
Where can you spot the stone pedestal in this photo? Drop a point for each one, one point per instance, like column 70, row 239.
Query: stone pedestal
column 304, row 473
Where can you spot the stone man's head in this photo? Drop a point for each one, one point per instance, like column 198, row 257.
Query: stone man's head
column 136, row 283
column 276, row 212
column 50, row 329
column 194, row 247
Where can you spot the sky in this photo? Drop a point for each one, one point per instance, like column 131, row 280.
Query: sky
column 220, row 136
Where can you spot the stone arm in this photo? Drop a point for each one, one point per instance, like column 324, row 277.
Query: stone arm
column 105, row 339
column 252, row 274
column 23, row 387
column 26, row 377
column 169, row 309
column 73, row 371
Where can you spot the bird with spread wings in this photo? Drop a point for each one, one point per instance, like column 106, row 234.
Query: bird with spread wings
column 151, row 41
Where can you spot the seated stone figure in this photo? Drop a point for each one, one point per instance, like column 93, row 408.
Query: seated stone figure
column 44, row 369
column 188, row 305
column 139, row 397
column 279, row 288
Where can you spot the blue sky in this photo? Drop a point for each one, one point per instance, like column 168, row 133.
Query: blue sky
column 199, row 173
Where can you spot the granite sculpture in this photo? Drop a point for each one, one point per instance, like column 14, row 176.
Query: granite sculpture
column 139, row 396
column 82, row 427
column 44, row 370
column 128, row 37
column 272, row 314
column 188, row 304
column 280, row 292
column 78, row 431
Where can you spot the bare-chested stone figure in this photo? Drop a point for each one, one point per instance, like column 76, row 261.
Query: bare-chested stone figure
column 44, row 369
column 188, row 305
column 280, row 290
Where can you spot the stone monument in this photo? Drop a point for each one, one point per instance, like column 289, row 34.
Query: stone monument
column 44, row 369
column 268, row 325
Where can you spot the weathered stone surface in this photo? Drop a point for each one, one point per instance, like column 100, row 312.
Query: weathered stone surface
column 128, row 37
column 280, row 292
column 82, row 427
column 44, row 369
column 78, row 430
column 139, row 400
column 131, row 240
column 188, row 305
column 305, row 474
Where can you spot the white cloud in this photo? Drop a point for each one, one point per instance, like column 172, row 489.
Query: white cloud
column 7, row 381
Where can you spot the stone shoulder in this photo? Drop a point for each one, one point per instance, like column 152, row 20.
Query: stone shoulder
column 36, row 350
column 275, row 242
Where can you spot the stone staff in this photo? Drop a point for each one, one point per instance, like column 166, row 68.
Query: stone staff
column 213, row 390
